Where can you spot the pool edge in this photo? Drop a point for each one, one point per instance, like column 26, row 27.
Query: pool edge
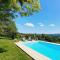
column 35, row 55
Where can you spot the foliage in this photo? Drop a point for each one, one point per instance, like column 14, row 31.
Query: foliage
column 7, row 28
column 43, row 37
column 8, row 10
column 24, row 7
column 2, row 50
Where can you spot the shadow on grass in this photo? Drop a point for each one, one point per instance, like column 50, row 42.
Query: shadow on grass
column 2, row 50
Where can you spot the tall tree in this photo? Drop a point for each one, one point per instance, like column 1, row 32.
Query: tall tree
column 8, row 8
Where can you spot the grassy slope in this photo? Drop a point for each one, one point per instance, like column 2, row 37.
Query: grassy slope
column 12, row 51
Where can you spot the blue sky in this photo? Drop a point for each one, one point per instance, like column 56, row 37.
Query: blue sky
column 45, row 21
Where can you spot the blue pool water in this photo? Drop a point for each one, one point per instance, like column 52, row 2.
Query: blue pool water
column 50, row 50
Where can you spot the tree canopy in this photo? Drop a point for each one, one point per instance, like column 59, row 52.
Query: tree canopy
column 8, row 8
column 24, row 7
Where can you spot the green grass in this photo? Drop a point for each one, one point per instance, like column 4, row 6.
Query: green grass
column 9, row 51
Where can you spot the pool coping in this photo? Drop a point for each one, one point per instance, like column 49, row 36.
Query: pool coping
column 35, row 55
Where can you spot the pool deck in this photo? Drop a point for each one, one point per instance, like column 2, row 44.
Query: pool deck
column 35, row 55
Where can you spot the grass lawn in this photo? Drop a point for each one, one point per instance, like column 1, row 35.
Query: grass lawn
column 11, row 52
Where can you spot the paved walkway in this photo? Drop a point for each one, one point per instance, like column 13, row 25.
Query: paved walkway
column 35, row 55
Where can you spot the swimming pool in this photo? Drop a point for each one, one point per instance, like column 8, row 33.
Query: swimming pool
column 48, row 49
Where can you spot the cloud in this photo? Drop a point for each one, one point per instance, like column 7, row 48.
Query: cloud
column 52, row 25
column 41, row 24
column 29, row 24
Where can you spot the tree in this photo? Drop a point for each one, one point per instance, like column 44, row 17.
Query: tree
column 24, row 7
column 7, row 28
column 8, row 8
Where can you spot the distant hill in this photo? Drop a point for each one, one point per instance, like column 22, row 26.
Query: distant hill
column 54, row 34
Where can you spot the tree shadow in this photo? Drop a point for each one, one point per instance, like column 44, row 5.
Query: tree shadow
column 2, row 50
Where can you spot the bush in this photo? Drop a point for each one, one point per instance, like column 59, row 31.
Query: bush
column 2, row 50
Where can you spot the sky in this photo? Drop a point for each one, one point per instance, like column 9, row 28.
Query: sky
column 47, row 20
